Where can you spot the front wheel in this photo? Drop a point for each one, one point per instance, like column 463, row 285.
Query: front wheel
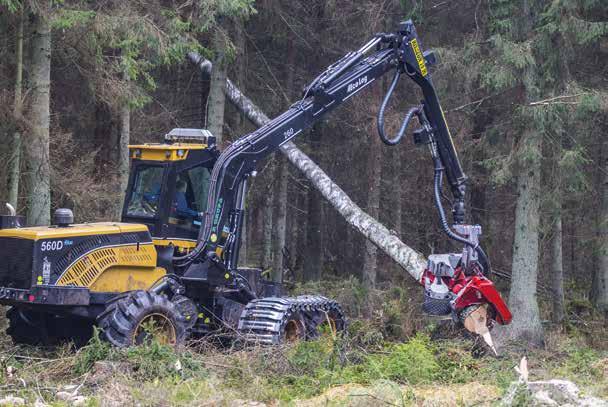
column 139, row 317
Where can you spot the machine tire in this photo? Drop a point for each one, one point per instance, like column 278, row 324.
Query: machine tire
column 29, row 327
column 125, row 318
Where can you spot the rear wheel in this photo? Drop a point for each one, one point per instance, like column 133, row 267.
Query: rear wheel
column 325, row 318
column 293, row 328
column 278, row 320
column 27, row 327
column 30, row 327
column 139, row 317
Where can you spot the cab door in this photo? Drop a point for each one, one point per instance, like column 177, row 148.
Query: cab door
column 144, row 201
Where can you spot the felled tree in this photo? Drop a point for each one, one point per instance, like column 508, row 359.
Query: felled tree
column 408, row 258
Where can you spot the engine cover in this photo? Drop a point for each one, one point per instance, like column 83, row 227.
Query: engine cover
column 104, row 257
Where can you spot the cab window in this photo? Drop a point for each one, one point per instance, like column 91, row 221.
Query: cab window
column 144, row 199
column 190, row 199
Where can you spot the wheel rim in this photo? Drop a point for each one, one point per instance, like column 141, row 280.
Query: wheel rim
column 155, row 326
column 293, row 330
column 328, row 327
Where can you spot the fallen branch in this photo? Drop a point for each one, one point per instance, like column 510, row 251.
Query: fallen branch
column 408, row 258
column 556, row 99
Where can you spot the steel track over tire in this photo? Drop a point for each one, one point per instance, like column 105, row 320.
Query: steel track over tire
column 323, row 316
column 272, row 321
column 138, row 316
column 29, row 327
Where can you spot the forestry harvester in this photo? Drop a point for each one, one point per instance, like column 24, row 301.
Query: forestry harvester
column 170, row 268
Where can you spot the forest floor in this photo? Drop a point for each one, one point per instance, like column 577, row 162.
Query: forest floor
column 370, row 366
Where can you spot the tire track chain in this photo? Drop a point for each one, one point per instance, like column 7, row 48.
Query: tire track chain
column 263, row 320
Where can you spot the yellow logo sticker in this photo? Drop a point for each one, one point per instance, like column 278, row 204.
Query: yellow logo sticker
column 226, row 276
column 213, row 238
column 419, row 57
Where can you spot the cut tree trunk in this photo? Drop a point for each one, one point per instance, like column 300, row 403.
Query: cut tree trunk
column 412, row 261
column 15, row 157
column 37, row 146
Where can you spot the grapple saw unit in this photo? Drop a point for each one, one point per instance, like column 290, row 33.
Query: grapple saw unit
column 170, row 268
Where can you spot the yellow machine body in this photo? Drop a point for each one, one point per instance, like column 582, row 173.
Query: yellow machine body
column 103, row 257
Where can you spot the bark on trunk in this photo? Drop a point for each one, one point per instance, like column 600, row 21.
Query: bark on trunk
column 37, row 147
column 216, row 101
column 280, row 219
column 370, row 258
column 313, row 255
column 267, row 231
column 523, row 302
column 600, row 284
column 315, row 238
column 557, row 276
column 123, row 154
column 15, row 157
column 280, row 215
column 412, row 261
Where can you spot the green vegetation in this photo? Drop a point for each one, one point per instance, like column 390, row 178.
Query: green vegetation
column 363, row 363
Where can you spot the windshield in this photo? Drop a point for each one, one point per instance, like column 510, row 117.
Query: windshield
column 145, row 196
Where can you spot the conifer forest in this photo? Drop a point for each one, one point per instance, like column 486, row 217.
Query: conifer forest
column 203, row 203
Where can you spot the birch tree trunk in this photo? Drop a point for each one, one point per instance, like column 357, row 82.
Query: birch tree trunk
column 37, row 146
column 15, row 158
column 412, row 261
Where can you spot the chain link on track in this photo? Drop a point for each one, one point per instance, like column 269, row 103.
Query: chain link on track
column 263, row 321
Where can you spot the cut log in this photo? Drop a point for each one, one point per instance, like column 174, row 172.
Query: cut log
column 412, row 261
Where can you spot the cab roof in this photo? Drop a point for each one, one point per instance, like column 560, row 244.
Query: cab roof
column 178, row 142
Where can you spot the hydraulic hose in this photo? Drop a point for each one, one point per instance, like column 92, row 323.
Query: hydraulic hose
column 406, row 121
column 438, row 179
